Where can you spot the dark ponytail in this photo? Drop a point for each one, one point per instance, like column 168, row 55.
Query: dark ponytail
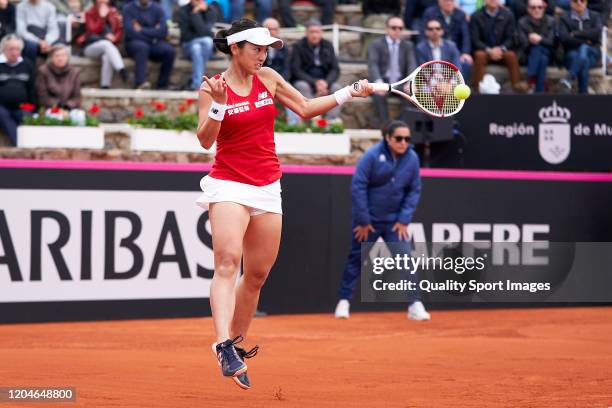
column 237, row 26
column 390, row 127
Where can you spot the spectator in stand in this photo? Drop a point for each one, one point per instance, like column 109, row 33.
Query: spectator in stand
column 492, row 28
column 263, row 9
column 434, row 47
column 145, row 32
column 314, row 66
column 16, row 85
column 58, row 83
column 277, row 59
column 389, row 59
column 413, row 13
column 580, row 33
column 7, row 18
column 536, row 38
column 76, row 19
column 103, row 31
column 328, row 9
column 196, row 20
column 456, row 28
column 37, row 26
column 519, row 8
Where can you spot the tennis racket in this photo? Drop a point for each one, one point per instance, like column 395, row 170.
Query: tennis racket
column 430, row 87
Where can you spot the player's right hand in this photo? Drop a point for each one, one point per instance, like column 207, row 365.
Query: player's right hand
column 216, row 88
column 362, row 232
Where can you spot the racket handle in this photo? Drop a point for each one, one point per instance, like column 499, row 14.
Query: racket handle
column 378, row 87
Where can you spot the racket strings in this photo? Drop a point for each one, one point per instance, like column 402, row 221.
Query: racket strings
column 434, row 87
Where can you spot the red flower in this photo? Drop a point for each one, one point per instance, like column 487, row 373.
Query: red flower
column 55, row 109
column 189, row 101
column 28, row 107
column 139, row 113
column 182, row 107
column 160, row 106
column 322, row 123
column 94, row 109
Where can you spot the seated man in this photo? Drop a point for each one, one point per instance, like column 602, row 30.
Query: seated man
column 492, row 28
column 413, row 13
column 389, row 59
column 16, row 85
column 145, row 32
column 37, row 26
column 277, row 59
column 314, row 66
column 196, row 20
column 434, row 47
column 328, row 9
column 580, row 34
column 536, row 37
column 455, row 26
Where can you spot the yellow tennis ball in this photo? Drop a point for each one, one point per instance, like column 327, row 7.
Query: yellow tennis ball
column 462, row 91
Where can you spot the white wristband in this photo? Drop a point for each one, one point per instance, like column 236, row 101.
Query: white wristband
column 343, row 95
column 217, row 111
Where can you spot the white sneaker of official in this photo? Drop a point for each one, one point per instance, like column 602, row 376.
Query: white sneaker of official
column 342, row 309
column 416, row 311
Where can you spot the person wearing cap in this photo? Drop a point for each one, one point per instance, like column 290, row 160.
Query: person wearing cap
column 242, row 191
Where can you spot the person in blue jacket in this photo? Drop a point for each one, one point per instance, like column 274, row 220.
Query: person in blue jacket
column 385, row 192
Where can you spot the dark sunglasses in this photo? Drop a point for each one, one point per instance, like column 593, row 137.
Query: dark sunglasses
column 434, row 28
column 399, row 139
column 537, row 7
column 396, row 27
column 579, row 1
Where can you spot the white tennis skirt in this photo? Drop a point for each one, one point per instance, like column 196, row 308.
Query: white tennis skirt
column 259, row 199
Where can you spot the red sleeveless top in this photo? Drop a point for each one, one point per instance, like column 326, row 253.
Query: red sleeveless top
column 246, row 152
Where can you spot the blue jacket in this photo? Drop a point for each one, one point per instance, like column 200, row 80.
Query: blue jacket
column 449, row 52
column 383, row 189
column 458, row 30
column 151, row 18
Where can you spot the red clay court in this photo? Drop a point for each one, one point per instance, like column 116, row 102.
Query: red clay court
column 558, row 357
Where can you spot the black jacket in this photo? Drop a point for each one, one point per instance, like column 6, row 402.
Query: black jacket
column 303, row 62
column 7, row 20
column 280, row 63
column 573, row 36
column 502, row 25
column 415, row 9
column 194, row 25
column 546, row 28
column 602, row 7
column 17, row 84
column 392, row 7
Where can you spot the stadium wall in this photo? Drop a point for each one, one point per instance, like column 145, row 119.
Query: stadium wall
column 112, row 240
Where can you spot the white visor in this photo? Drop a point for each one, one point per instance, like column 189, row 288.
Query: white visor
column 257, row 36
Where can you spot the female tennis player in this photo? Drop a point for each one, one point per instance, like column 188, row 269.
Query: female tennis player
column 243, row 192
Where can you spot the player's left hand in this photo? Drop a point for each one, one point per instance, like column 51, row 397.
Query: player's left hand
column 361, row 89
column 402, row 231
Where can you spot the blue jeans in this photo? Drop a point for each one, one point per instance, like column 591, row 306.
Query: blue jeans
column 263, row 9
column 141, row 52
column 198, row 50
column 352, row 270
column 9, row 120
column 578, row 62
column 537, row 63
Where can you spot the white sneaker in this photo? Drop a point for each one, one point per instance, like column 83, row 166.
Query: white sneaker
column 342, row 309
column 416, row 311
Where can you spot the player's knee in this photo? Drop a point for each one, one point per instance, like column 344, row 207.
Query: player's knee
column 226, row 263
column 255, row 279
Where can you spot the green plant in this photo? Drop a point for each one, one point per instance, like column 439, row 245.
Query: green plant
column 319, row 126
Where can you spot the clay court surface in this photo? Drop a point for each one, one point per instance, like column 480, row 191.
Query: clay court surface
column 493, row 358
